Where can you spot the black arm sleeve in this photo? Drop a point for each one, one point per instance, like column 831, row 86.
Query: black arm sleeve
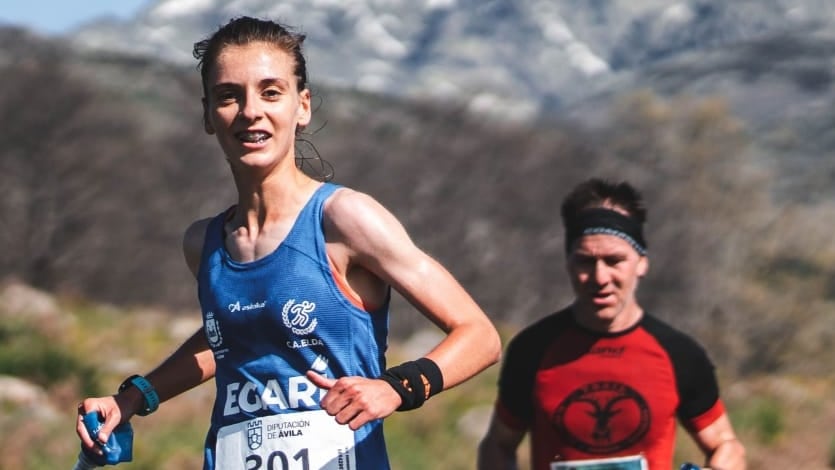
column 695, row 376
column 521, row 361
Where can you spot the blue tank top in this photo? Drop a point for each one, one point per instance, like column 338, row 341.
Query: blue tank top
column 270, row 321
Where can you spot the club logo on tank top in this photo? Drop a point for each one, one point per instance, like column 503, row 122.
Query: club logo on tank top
column 298, row 317
column 212, row 330
column 602, row 417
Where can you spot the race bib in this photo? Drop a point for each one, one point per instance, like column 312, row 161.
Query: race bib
column 637, row 462
column 304, row 440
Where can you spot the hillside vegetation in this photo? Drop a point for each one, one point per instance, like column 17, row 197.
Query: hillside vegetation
column 104, row 164
column 54, row 351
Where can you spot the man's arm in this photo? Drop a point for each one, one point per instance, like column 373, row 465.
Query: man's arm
column 722, row 448
column 497, row 451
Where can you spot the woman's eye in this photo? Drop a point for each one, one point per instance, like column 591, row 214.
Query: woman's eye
column 226, row 98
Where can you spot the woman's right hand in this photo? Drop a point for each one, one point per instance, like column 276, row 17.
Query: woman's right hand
column 114, row 410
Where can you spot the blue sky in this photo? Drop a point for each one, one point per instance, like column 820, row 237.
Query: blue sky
column 51, row 17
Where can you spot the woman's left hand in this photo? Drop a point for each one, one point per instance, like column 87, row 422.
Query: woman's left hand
column 355, row 401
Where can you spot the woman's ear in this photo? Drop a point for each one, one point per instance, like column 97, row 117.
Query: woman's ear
column 304, row 113
column 207, row 126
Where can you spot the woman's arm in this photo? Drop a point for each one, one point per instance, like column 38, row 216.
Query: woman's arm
column 190, row 365
column 361, row 233
column 378, row 242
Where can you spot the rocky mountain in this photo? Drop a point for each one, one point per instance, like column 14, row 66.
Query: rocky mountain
column 517, row 58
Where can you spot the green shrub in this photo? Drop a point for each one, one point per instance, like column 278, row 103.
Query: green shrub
column 764, row 418
column 27, row 354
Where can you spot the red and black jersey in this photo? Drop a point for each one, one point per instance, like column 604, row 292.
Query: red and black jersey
column 585, row 395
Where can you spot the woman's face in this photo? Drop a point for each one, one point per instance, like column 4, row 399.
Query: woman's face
column 253, row 104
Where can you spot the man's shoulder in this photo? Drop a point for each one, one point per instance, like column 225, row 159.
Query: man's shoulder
column 672, row 338
column 655, row 324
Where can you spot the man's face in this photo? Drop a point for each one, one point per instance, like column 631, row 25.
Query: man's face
column 604, row 272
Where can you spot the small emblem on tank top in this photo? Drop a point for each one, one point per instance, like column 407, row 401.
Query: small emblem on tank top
column 320, row 365
column 237, row 307
column 298, row 316
column 212, row 330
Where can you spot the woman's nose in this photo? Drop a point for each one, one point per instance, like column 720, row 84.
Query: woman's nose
column 250, row 108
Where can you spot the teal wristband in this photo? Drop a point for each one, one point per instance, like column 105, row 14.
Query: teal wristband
column 148, row 393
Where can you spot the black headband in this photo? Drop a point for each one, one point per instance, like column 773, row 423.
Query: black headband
column 607, row 222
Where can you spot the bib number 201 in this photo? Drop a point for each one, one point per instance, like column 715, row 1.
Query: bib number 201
column 304, row 440
column 278, row 461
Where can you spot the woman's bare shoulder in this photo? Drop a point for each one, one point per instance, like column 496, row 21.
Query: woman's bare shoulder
column 353, row 213
column 193, row 240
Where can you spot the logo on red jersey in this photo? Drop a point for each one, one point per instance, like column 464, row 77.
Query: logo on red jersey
column 602, row 418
